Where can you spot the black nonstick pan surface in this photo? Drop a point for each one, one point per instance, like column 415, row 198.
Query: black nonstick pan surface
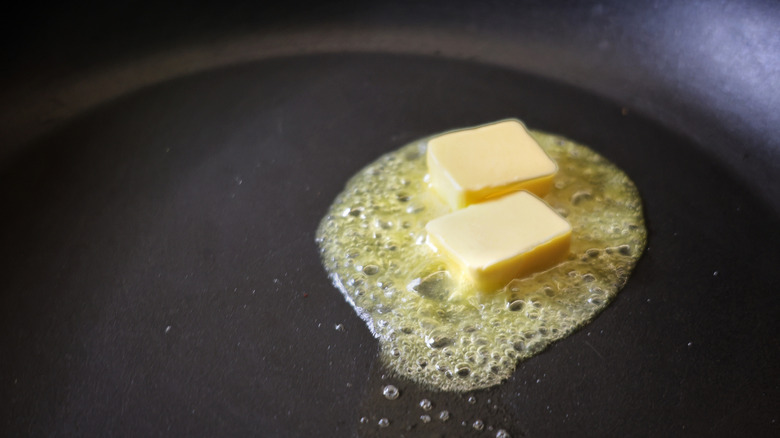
column 158, row 270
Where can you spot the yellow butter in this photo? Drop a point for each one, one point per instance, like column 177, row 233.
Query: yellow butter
column 475, row 164
column 499, row 240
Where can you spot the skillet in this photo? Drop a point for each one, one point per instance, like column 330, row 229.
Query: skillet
column 160, row 275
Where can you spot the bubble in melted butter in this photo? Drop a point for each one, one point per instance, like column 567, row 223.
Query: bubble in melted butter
column 372, row 242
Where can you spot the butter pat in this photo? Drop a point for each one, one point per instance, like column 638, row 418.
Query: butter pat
column 471, row 165
column 499, row 240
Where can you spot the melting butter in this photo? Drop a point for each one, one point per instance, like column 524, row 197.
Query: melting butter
column 372, row 243
column 472, row 165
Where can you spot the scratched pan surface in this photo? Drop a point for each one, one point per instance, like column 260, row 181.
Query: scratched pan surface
column 160, row 276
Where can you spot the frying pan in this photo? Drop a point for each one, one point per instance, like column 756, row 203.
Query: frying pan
column 164, row 170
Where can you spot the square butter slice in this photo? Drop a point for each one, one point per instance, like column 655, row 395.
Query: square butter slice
column 475, row 164
column 499, row 240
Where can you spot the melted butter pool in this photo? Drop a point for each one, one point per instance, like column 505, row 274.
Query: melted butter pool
column 372, row 243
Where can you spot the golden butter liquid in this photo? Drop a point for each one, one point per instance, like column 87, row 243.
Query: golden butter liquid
column 431, row 326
